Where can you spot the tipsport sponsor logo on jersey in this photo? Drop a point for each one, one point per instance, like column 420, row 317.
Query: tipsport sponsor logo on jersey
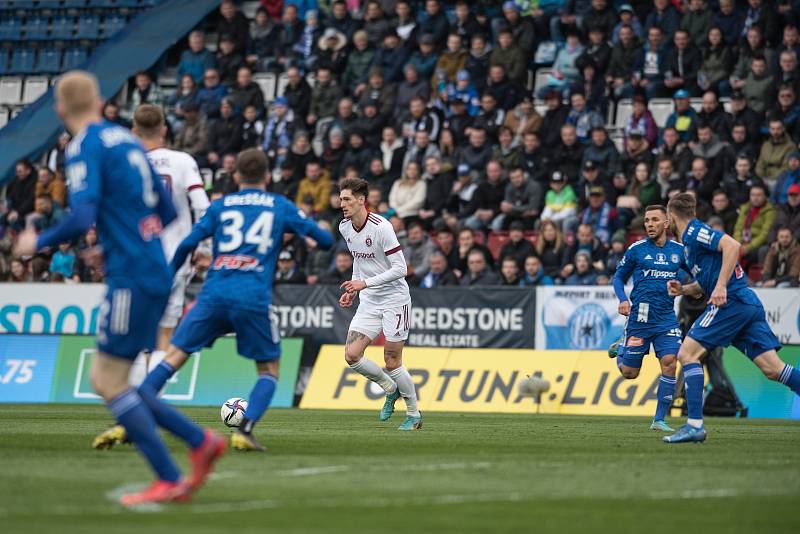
column 481, row 380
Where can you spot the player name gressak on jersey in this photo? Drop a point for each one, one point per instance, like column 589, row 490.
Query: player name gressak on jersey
column 371, row 245
column 184, row 185
column 247, row 228
column 651, row 267
column 111, row 182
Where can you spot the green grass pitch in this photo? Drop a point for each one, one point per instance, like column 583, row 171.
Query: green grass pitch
column 329, row 471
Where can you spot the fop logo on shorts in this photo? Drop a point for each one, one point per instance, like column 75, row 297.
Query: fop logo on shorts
column 588, row 326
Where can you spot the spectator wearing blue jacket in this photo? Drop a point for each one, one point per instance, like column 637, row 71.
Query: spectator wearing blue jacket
column 665, row 17
column 648, row 65
column 197, row 60
column 303, row 7
column 210, row 94
column 391, row 57
column 729, row 20
column 627, row 18
column 464, row 91
column 534, row 274
column 788, row 178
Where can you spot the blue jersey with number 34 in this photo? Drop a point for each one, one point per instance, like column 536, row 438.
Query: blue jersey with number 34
column 248, row 229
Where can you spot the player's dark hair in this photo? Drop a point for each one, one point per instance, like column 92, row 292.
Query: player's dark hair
column 656, row 207
column 148, row 120
column 357, row 186
column 251, row 166
column 683, row 205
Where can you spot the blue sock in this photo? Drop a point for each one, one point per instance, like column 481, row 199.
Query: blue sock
column 132, row 413
column 172, row 420
column 156, row 378
column 694, row 379
column 259, row 400
column 665, row 393
column 790, row 377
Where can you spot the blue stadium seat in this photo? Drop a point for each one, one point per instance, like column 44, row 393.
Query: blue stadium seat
column 49, row 4
column 102, row 4
column 62, row 28
column 73, row 57
column 3, row 61
column 22, row 60
column 74, row 4
column 49, row 61
column 131, row 4
column 11, row 30
column 88, row 27
column 36, row 29
column 24, row 4
column 112, row 25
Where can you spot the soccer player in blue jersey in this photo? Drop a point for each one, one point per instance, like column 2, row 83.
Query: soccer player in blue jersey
column 650, row 310
column 734, row 315
column 248, row 229
column 112, row 184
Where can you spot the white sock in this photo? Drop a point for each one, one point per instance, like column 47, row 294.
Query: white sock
column 697, row 423
column 407, row 391
column 370, row 369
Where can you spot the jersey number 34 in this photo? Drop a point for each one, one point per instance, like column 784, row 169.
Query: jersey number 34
column 259, row 232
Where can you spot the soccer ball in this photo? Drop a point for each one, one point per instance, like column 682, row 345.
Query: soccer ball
column 533, row 386
column 232, row 411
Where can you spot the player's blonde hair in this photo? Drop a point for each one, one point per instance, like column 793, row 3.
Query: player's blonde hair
column 148, row 120
column 77, row 93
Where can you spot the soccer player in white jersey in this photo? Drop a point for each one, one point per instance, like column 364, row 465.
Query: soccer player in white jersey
column 182, row 180
column 183, row 183
column 379, row 271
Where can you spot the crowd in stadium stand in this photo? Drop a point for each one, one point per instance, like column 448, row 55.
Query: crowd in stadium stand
column 432, row 103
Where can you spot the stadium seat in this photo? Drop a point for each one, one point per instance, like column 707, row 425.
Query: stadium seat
column 26, row 5
column 697, row 104
column 35, row 86
column 10, row 90
column 497, row 241
column 755, row 273
column 49, row 61
column 283, row 81
column 610, row 114
column 61, row 28
column 624, row 110
column 128, row 4
column 726, row 104
column 661, row 108
column 3, row 61
column 540, row 107
column 3, row 117
column 73, row 58
column 16, row 110
column 112, row 25
column 532, row 237
column 635, row 235
column 11, row 30
column 102, row 4
column 36, row 29
column 22, row 60
column 616, row 138
column 74, row 4
column 541, row 79
column 88, row 27
column 208, row 177
column 266, row 81
column 49, row 4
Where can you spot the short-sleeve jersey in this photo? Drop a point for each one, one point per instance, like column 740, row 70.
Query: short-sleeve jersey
column 179, row 175
column 704, row 260
column 652, row 267
column 371, row 245
column 107, row 166
column 247, row 228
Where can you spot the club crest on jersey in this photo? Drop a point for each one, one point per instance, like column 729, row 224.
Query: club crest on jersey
column 661, row 259
column 675, row 258
column 368, row 241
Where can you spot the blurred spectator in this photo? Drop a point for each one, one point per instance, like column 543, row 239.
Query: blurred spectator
column 786, row 74
column 176, row 104
column 560, row 202
column 643, row 190
column 683, row 64
column 446, row 244
column 467, row 245
column 762, row 17
column 192, row 136
column 509, row 272
column 774, row 156
column 145, row 91
column 787, row 109
column 506, row 92
column 621, row 67
column 488, row 197
column 597, row 51
column 57, row 156
column 738, row 183
column 234, row 24
column 287, row 271
column 245, row 92
column 304, row 51
column 439, row 183
column 521, row 203
column 743, row 114
column 357, row 156
column 700, row 181
column 263, row 41
column 554, row 119
column 354, row 78
column 684, row 118
column 252, row 128
column 411, row 87
column 717, row 63
column 405, row 23
column 341, row 20
column 788, row 214
column 582, row 118
column 224, row 134
column 534, row 273
column 755, row 220
column 407, row 195
column 46, row 214
column 63, row 262
column 786, row 179
column 20, row 195
column 477, row 64
column 697, row 21
column 390, row 58
column 709, row 147
column 714, row 116
column 550, row 247
column 318, row 260
column 590, row 177
column 522, row 29
column 637, row 150
column 229, row 60
column 649, row 65
column 565, row 71
column 641, row 120
column 587, row 243
column 197, row 60
column 600, row 215
column 568, row 155
column 570, row 19
column 297, row 94
column 756, row 84
column 210, row 95
column 739, row 143
column 523, row 119
column 111, row 114
column 439, row 274
column 667, row 178
column 722, row 207
column 18, row 272
column 465, row 24
column 300, row 153
column 615, row 253
column 507, row 153
column 375, row 23
column 478, row 272
column 392, row 152
column 420, row 150
column 316, row 186
column 48, row 183
column 534, row 159
column 782, row 263
column 418, row 118
column 451, row 60
column 584, row 273
column 278, row 131
column 332, row 53
column 424, row 60
column 417, row 248
column 517, row 247
column 729, row 21
column 380, row 93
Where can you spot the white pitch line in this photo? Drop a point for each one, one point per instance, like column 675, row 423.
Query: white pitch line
column 312, row 471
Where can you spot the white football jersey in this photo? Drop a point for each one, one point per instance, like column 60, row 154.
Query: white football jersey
column 181, row 177
column 371, row 245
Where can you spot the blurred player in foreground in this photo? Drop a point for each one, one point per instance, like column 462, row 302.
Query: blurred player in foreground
column 248, row 229
column 734, row 315
column 650, row 310
column 184, row 186
column 379, row 271
column 112, row 183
